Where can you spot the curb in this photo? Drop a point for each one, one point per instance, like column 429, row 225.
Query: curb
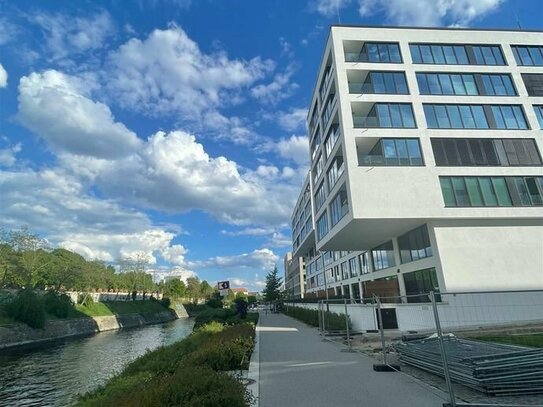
column 254, row 367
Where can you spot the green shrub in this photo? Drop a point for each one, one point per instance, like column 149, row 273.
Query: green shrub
column 85, row 299
column 213, row 315
column 333, row 321
column 27, row 307
column 165, row 302
column 214, row 303
column 57, row 304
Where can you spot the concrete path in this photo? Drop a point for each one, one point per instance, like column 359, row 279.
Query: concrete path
column 299, row 369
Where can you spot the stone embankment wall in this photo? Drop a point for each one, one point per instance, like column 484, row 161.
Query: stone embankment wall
column 20, row 334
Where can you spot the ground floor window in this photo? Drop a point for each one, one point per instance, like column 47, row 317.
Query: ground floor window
column 419, row 283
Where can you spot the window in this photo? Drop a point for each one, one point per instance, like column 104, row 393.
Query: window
column 382, row 83
column 492, row 191
column 344, row 270
column 528, row 55
column 315, row 144
column 482, row 152
column 533, row 83
column 329, row 108
column 539, row 114
column 327, row 78
column 392, row 115
column 339, row 207
column 419, row 283
column 331, row 139
column 335, row 171
column 456, row 54
column 392, row 152
column 465, row 84
column 496, row 85
column 364, row 262
column 383, row 256
column 353, row 269
column 319, row 166
column 376, row 52
column 320, row 197
column 322, row 226
column 449, row 116
column 415, row 245
column 314, row 119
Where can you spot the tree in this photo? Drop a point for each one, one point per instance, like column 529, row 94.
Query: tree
column 63, row 270
column 272, row 292
column 193, row 287
column 32, row 255
column 206, row 291
column 242, row 296
column 175, row 288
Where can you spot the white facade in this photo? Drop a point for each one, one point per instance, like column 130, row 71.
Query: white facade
column 486, row 233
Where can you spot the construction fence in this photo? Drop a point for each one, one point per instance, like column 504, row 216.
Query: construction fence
column 479, row 348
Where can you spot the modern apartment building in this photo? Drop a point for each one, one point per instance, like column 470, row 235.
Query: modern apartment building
column 426, row 167
column 294, row 276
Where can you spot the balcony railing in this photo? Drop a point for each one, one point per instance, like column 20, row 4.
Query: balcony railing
column 328, row 111
column 371, row 160
column 365, row 121
column 355, row 57
column 325, row 84
column 360, row 87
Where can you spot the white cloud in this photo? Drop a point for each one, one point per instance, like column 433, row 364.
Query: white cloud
column 172, row 172
column 293, row 120
column 329, row 8
column 56, row 107
column 429, row 12
column 3, row 77
column 58, row 206
column 175, row 254
column 295, row 148
column 279, row 89
column 167, row 73
column 278, row 239
column 8, row 155
column 251, row 231
column 8, row 31
column 67, row 35
column 263, row 259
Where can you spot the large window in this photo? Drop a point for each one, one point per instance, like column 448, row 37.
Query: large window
column 336, row 170
column 344, row 270
column 492, row 191
column 381, row 83
column 364, row 263
column 528, row 55
column 327, row 78
column 315, row 144
column 391, row 115
column 383, row 256
column 353, row 268
column 322, row 226
column 415, row 245
column 320, row 197
column 452, row 116
column 533, row 83
column 456, row 54
column 421, row 282
column 539, row 114
column 481, row 152
column 394, row 151
column 465, row 84
column 328, row 109
column 376, row 52
column 331, row 139
column 319, row 166
column 339, row 207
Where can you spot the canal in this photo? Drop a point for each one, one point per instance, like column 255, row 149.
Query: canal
column 56, row 374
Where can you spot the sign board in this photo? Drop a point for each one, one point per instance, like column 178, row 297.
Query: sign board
column 223, row 293
column 223, row 285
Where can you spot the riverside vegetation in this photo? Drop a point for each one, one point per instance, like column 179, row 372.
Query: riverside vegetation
column 194, row 372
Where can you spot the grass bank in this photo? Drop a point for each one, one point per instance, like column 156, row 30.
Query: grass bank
column 191, row 372
column 534, row 340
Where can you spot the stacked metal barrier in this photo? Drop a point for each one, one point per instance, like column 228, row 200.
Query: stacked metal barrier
column 495, row 369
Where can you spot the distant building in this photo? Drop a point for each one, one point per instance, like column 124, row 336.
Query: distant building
column 425, row 164
column 294, row 276
column 240, row 290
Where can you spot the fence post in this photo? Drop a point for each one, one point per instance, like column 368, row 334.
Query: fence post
column 381, row 328
column 347, row 325
column 442, row 349
column 319, row 306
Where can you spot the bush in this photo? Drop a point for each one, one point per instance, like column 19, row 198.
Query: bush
column 165, row 302
column 214, row 303
column 27, row 307
column 334, row 322
column 241, row 307
column 85, row 299
column 57, row 304
column 213, row 315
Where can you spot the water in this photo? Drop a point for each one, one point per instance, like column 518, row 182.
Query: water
column 54, row 375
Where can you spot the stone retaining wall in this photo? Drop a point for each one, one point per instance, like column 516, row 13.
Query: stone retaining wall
column 20, row 334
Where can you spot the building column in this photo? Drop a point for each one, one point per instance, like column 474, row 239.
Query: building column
column 398, row 261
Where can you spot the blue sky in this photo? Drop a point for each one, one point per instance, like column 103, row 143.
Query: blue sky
column 176, row 128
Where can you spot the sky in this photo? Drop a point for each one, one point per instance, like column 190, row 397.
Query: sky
column 176, row 128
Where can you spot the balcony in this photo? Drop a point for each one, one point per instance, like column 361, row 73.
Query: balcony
column 383, row 115
column 389, row 152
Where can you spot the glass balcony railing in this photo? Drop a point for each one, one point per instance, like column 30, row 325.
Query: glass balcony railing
column 365, row 121
column 360, row 87
column 328, row 111
column 355, row 57
column 371, row 160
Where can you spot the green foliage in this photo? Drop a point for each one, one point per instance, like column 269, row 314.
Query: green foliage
column 165, row 302
column 272, row 291
column 186, row 373
column 214, row 303
column 206, row 291
column 193, row 287
column 241, row 307
column 251, row 299
column 334, row 322
column 57, row 304
column 27, row 307
column 213, row 314
column 175, row 288
column 535, row 339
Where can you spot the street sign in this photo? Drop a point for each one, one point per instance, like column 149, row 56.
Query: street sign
column 223, row 285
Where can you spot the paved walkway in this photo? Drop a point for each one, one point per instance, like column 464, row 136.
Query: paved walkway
column 298, row 369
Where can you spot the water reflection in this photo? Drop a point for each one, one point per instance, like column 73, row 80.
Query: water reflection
column 55, row 375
